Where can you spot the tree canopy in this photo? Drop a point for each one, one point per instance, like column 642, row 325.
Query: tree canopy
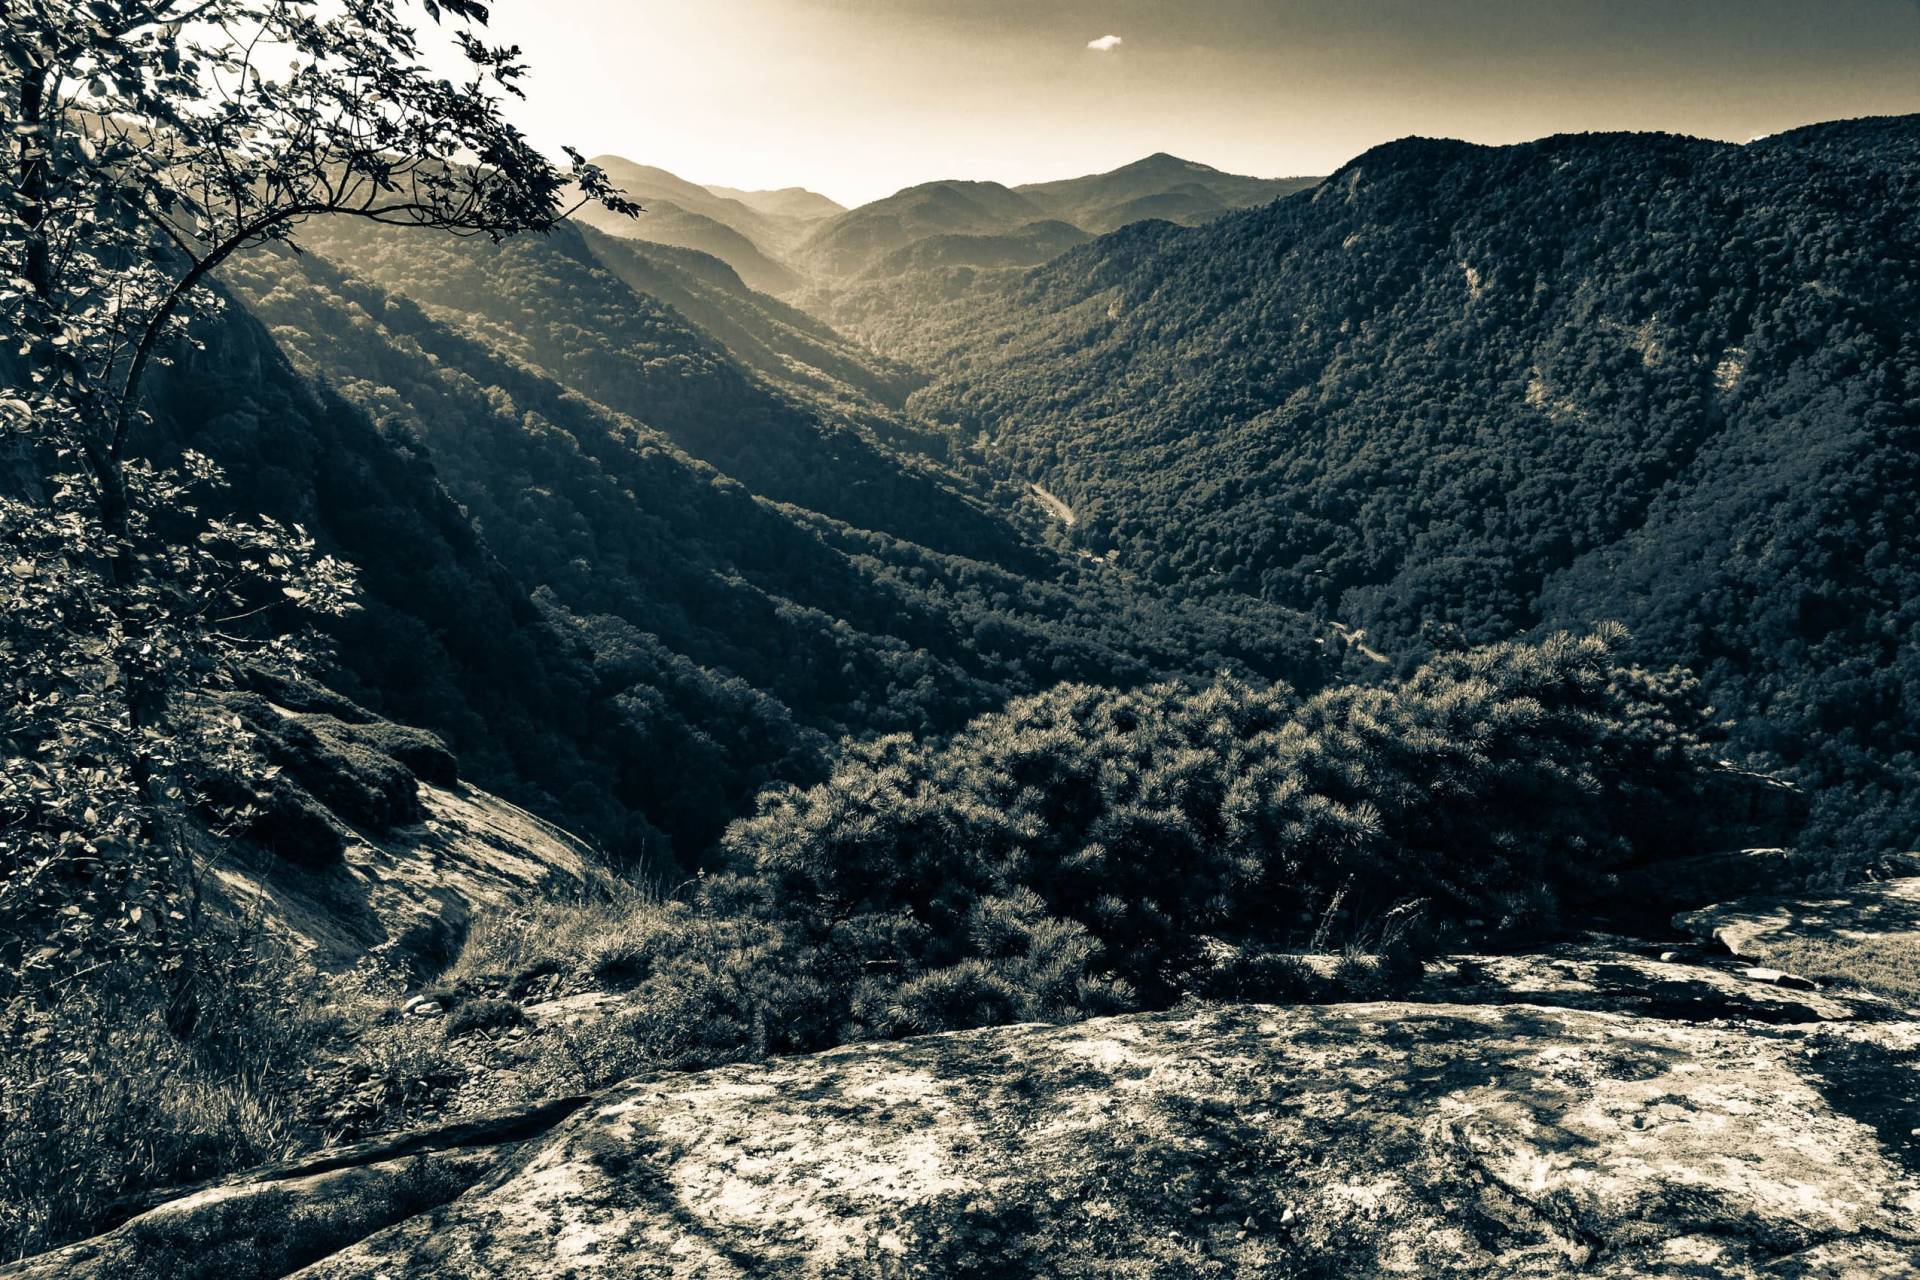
column 148, row 141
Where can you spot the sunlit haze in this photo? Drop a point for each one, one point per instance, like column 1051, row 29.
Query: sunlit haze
column 857, row 98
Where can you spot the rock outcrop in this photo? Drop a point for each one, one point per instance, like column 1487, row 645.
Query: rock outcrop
column 1694, row 989
column 1347, row 1140
column 362, row 834
column 1886, row 912
column 414, row 887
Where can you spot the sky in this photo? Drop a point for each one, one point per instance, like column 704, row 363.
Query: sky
column 858, row 98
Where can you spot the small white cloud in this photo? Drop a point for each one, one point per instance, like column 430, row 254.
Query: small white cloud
column 1105, row 44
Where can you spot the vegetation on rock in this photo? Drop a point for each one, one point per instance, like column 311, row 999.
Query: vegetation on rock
column 760, row 610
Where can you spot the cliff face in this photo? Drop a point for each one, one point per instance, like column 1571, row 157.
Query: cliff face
column 364, row 836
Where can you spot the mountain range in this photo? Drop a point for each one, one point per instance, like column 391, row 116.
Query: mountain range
column 1458, row 393
column 1448, row 395
column 781, row 241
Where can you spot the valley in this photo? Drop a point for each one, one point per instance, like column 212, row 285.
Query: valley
column 1357, row 462
column 1163, row 722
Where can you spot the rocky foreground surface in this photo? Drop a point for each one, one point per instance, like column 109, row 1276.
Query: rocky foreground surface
column 1343, row 1140
column 1589, row 1111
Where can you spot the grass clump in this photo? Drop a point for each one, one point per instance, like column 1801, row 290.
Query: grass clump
column 118, row 1086
column 602, row 931
column 1885, row 966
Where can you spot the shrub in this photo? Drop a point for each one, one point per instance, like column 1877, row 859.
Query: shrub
column 971, row 993
column 1078, row 850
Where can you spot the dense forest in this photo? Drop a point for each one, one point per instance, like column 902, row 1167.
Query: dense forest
column 606, row 627
column 1451, row 395
column 1459, row 393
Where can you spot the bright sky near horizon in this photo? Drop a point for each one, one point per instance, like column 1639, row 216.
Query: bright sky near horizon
column 858, row 98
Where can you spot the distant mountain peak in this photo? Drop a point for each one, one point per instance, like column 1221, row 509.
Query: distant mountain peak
column 1166, row 160
column 789, row 202
column 962, row 185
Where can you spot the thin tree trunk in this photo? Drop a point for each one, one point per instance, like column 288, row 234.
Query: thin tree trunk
column 109, row 474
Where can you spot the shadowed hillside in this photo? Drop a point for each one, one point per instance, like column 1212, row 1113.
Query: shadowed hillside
column 1457, row 391
column 709, row 641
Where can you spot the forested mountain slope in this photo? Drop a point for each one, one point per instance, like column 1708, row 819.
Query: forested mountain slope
column 770, row 337
column 848, row 244
column 445, row 638
column 1029, row 246
column 1466, row 391
column 1160, row 186
column 746, row 236
column 552, row 303
column 667, row 225
column 606, row 628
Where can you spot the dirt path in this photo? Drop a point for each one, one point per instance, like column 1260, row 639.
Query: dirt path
column 1055, row 507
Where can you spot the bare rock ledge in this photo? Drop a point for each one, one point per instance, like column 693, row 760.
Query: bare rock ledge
column 1886, row 912
column 1347, row 1140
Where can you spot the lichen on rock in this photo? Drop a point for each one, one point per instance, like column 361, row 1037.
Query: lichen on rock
column 1352, row 1140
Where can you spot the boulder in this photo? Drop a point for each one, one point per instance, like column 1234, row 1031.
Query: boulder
column 1779, row 978
column 341, row 765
